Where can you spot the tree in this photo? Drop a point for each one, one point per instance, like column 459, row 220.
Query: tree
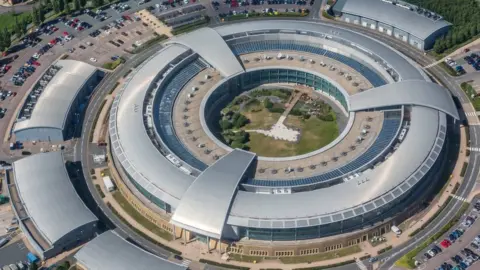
column 24, row 26
column 240, row 121
column 41, row 14
column 6, row 38
column 56, row 6
column 98, row 3
column 35, row 17
column 225, row 124
column 267, row 103
column 61, row 5
column 67, row 7
column 83, row 3
column 17, row 28
column 77, row 5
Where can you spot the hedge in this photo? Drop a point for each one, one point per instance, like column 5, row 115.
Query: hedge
column 464, row 169
column 124, row 221
column 223, row 265
column 383, row 250
column 99, row 189
column 113, row 88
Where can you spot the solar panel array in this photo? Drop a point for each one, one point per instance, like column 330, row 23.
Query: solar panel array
column 276, row 45
column 164, row 121
column 387, row 134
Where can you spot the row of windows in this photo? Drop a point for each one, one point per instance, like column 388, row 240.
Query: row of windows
column 284, row 253
column 334, row 247
column 309, row 251
column 259, row 252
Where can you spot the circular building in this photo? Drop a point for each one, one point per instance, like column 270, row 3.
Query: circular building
column 391, row 122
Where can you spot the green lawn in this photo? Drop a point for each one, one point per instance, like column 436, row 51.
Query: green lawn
column 8, row 19
column 322, row 256
column 315, row 134
column 140, row 218
column 245, row 258
column 261, row 119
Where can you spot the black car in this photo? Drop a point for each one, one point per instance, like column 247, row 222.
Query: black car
column 437, row 248
column 455, row 260
column 120, row 41
column 82, row 47
column 473, row 245
column 428, row 256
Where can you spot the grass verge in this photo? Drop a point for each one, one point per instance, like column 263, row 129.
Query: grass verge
column 113, row 65
column 190, row 27
column 99, row 190
column 132, row 212
column 124, row 221
column 245, row 258
column 448, row 69
column 322, row 256
column 431, row 218
column 223, row 265
column 472, row 95
column 147, row 44
column 90, row 139
column 408, row 260
column 8, row 19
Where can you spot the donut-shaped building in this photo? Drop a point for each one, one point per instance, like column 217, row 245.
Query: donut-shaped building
column 165, row 149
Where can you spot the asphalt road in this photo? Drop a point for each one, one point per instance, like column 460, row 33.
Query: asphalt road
column 83, row 147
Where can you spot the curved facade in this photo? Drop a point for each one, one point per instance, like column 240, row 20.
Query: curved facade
column 229, row 198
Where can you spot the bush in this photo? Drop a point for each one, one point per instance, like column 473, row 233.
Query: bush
column 296, row 112
column 240, row 121
column 225, row 124
column 267, row 103
column 99, row 189
column 113, row 65
column 327, row 118
column 276, row 110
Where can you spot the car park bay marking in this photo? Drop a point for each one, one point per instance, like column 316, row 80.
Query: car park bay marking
column 472, row 113
column 186, row 263
column 474, row 149
column 459, row 198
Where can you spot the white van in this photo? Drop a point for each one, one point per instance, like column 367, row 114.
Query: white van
column 396, row 230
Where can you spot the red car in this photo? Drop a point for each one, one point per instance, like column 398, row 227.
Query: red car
column 76, row 20
column 73, row 25
column 65, row 33
column 35, row 63
column 445, row 243
column 54, row 29
column 53, row 42
column 80, row 28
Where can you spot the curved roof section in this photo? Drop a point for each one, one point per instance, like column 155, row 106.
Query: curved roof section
column 421, row 93
column 55, row 101
column 263, row 210
column 130, row 141
column 404, row 19
column 211, row 47
column 395, row 59
column 204, row 207
column 111, row 252
column 49, row 197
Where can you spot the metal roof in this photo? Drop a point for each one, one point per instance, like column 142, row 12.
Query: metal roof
column 49, row 197
column 413, row 92
column 407, row 69
column 211, row 47
column 56, row 99
column 130, row 141
column 204, row 207
column 111, row 252
column 404, row 19
column 249, row 208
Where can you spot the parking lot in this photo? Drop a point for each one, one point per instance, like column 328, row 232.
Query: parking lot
column 232, row 7
column 455, row 249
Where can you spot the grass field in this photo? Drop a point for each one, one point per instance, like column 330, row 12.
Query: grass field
column 315, row 134
column 8, row 19
column 140, row 218
column 322, row 256
column 261, row 120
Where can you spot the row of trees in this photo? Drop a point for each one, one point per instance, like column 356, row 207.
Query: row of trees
column 462, row 13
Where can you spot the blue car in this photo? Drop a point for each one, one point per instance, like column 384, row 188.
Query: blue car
column 463, row 265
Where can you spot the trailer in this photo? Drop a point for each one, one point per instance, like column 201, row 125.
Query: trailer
column 108, row 184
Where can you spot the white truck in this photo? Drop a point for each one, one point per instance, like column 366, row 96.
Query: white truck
column 108, row 184
column 396, row 230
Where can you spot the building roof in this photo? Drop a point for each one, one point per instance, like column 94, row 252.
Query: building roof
column 407, row 69
column 303, row 209
column 56, row 99
column 49, row 197
column 111, row 252
column 130, row 141
column 204, row 207
column 404, row 19
column 413, row 92
column 211, row 47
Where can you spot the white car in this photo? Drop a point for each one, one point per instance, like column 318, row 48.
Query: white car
column 431, row 253
column 93, row 59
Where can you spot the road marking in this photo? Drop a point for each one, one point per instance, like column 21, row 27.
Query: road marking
column 471, row 113
column 186, row 263
column 459, row 198
column 474, row 149
column 361, row 265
